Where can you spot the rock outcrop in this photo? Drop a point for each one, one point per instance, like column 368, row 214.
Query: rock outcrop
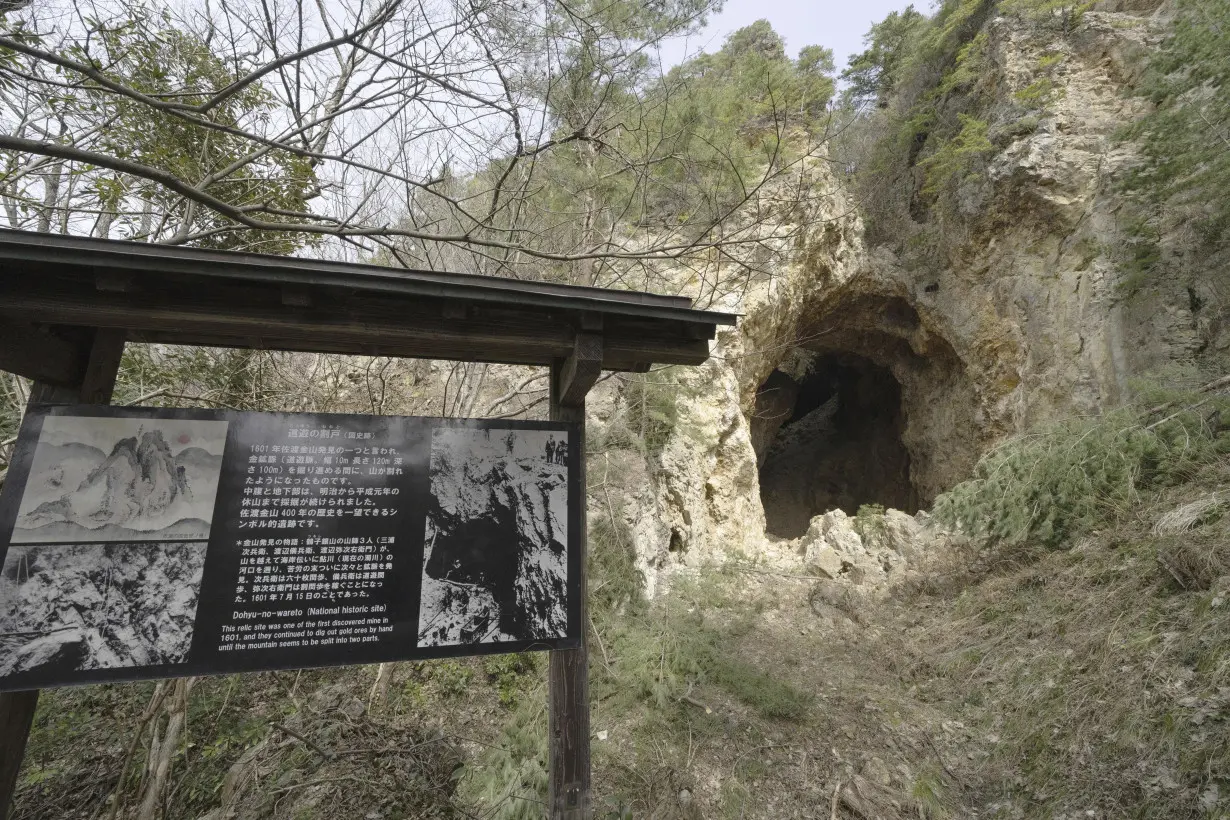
column 98, row 606
column 1026, row 318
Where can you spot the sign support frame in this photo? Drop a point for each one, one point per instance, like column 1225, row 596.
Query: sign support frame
column 66, row 321
column 94, row 385
column 568, row 753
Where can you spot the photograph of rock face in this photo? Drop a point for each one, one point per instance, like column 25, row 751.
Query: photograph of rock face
column 66, row 607
column 118, row 479
column 495, row 562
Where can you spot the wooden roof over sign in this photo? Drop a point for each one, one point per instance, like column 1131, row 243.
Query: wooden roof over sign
column 52, row 285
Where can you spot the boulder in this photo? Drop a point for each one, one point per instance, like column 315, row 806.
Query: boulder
column 840, row 534
column 823, row 558
column 901, row 533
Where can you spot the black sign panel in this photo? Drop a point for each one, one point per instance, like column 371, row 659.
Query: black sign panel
column 150, row 543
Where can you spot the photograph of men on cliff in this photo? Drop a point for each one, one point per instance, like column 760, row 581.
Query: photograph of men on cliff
column 121, row 479
column 495, row 561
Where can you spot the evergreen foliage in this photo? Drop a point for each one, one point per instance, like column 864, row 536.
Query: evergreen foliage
column 510, row 776
column 929, row 131
column 1065, row 14
column 1186, row 138
column 725, row 117
column 1079, row 474
column 157, row 58
column 652, row 403
column 615, row 581
column 872, row 75
column 955, row 159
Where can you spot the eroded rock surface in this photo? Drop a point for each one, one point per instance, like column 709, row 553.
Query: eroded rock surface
column 1026, row 318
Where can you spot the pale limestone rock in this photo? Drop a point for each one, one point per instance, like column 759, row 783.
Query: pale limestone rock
column 839, row 532
column 902, row 533
column 823, row 558
column 1025, row 322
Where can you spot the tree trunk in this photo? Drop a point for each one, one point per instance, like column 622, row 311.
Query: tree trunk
column 51, row 194
column 162, row 750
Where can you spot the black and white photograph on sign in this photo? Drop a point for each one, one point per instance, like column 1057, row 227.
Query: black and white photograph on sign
column 121, row 479
column 495, row 562
column 69, row 607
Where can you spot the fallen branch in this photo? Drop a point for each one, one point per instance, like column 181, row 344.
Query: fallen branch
column 1215, row 385
column 323, row 780
column 939, row 757
column 779, row 574
column 325, row 755
column 390, row 749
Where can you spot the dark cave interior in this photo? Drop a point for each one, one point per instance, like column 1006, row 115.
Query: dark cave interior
column 831, row 440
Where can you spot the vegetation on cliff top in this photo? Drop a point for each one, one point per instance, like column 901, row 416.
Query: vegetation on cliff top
column 1186, row 138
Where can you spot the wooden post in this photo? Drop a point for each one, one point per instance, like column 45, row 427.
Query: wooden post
column 95, row 385
column 568, row 673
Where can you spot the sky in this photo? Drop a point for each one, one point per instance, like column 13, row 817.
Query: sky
column 836, row 24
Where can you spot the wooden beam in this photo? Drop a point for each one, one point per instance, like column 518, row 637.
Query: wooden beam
column 568, row 669
column 94, row 386
column 296, row 297
column 38, row 355
column 113, row 281
column 626, row 348
column 343, row 323
column 16, row 717
column 580, row 370
column 102, row 366
column 349, row 324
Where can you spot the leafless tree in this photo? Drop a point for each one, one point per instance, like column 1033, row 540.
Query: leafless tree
column 506, row 137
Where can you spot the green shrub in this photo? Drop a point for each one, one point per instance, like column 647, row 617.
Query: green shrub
column 664, row 653
column 1076, row 475
column 1037, row 94
column 509, row 673
column 957, row 159
column 451, row 678
column 508, row 781
column 1065, row 14
column 1185, row 162
column 652, row 410
column 614, row 579
column 869, row 521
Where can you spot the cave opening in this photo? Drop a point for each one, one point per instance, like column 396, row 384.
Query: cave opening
column 476, row 552
column 831, row 439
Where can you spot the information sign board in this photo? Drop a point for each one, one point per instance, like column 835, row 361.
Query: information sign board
column 151, row 543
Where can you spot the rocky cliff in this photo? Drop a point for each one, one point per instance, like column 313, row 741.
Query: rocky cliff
column 1019, row 309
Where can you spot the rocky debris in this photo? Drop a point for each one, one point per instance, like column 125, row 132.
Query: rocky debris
column 834, row 601
column 834, row 546
column 873, row 551
column 98, row 606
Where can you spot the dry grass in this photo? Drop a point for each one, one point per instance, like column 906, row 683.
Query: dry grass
column 1103, row 671
column 1187, row 516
